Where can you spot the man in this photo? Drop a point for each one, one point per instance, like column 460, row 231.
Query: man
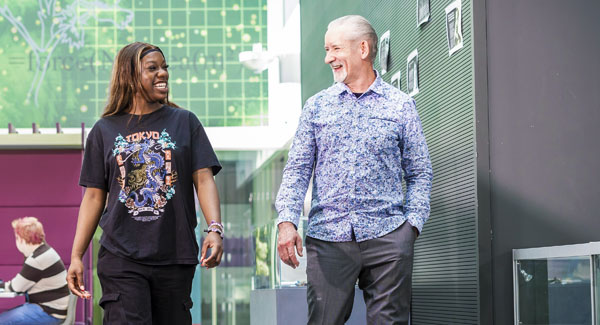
column 358, row 136
column 43, row 277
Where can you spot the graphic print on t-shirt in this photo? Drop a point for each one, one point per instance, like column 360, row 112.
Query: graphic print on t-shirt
column 145, row 172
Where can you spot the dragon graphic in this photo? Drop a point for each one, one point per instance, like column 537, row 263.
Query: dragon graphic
column 149, row 182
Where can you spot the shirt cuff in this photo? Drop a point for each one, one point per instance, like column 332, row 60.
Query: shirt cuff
column 288, row 216
column 416, row 221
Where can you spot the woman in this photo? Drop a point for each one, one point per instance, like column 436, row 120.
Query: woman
column 147, row 155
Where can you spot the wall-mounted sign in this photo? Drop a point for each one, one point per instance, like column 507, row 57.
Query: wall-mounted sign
column 454, row 27
column 412, row 73
column 384, row 50
column 422, row 12
column 396, row 77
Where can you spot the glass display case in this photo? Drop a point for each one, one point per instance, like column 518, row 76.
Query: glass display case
column 270, row 272
column 557, row 285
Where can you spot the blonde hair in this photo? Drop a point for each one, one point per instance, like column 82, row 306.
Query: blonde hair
column 30, row 230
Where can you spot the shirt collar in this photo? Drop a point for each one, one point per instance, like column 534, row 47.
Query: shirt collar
column 376, row 87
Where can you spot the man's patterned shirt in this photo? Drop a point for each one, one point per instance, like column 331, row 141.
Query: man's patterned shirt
column 359, row 148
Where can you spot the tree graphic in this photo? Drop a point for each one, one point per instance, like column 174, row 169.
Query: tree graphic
column 64, row 26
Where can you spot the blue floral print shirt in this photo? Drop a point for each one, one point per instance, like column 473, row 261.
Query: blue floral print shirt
column 359, row 148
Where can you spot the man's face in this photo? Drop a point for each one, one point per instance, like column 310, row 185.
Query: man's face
column 342, row 55
column 155, row 76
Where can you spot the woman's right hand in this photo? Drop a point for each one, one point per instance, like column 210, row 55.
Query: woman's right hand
column 75, row 279
column 90, row 210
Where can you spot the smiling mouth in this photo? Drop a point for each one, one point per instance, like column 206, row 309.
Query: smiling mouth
column 336, row 67
column 161, row 85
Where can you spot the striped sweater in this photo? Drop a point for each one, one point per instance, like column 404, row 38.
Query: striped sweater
column 43, row 277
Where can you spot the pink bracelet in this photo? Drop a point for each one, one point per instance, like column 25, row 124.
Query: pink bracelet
column 218, row 224
column 217, row 230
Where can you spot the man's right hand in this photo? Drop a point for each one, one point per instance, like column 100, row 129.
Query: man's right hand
column 75, row 279
column 287, row 240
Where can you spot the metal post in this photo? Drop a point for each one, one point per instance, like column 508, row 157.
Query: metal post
column 82, row 135
column 593, row 288
column 515, row 288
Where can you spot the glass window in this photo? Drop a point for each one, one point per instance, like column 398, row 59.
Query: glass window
column 554, row 291
column 247, row 188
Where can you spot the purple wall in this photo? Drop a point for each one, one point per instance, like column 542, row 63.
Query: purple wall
column 43, row 184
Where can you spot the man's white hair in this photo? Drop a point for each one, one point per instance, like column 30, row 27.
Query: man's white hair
column 357, row 28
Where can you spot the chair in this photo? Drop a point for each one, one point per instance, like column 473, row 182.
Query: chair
column 71, row 310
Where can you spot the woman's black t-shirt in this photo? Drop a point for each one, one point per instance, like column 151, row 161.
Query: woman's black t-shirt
column 145, row 163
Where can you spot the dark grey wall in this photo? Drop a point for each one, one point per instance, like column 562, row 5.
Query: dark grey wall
column 544, row 111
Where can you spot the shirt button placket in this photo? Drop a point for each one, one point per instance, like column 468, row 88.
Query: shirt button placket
column 348, row 158
column 356, row 143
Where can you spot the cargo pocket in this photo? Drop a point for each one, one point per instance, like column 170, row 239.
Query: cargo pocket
column 113, row 309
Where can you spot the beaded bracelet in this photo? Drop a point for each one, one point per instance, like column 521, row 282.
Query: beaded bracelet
column 217, row 230
column 218, row 224
column 215, row 227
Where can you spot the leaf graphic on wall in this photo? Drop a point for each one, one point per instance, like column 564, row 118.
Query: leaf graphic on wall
column 62, row 26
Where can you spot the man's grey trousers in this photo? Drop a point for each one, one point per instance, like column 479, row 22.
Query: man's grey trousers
column 383, row 267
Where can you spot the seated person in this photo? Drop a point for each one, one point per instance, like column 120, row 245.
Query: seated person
column 43, row 278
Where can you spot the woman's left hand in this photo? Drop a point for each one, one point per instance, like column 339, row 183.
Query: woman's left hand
column 215, row 243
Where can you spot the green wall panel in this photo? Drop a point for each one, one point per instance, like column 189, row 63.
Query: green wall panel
column 445, row 278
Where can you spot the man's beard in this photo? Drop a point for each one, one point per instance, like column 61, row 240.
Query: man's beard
column 340, row 76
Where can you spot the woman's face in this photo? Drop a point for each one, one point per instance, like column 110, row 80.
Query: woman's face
column 155, row 76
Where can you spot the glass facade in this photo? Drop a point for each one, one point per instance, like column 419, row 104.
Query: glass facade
column 247, row 185
column 56, row 57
